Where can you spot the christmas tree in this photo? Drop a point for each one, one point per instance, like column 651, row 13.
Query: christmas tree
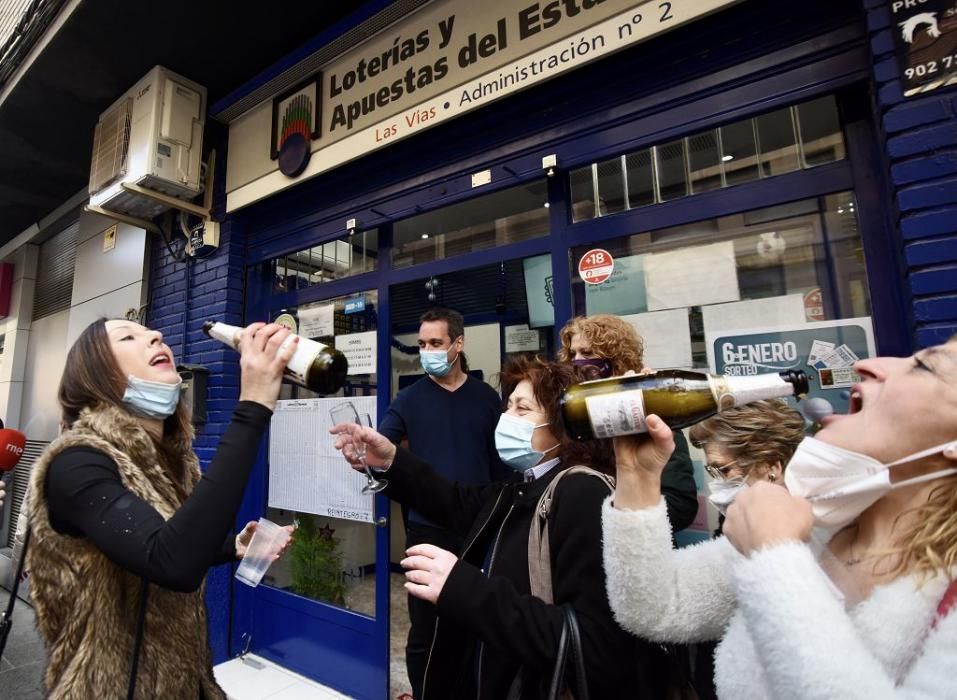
column 316, row 563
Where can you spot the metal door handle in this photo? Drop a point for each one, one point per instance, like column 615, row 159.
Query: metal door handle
column 382, row 521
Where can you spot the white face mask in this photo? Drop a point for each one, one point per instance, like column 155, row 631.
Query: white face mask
column 841, row 484
column 724, row 491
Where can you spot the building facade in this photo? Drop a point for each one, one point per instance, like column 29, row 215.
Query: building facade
column 745, row 182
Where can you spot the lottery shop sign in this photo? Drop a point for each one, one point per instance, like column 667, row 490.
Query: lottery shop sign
column 596, row 266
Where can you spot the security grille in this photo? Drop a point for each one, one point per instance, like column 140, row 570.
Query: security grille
column 55, row 273
column 17, row 488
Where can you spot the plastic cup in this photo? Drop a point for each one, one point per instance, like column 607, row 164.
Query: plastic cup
column 268, row 539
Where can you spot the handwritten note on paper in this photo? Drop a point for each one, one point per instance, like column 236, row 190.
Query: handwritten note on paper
column 306, row 473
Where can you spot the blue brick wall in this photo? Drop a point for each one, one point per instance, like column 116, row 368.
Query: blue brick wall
column 183, row 295
column 921, row 147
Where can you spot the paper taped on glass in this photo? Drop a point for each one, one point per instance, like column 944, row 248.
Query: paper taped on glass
column 704, row 274
column 787, row 310
column 306, row 473
column 667, row 336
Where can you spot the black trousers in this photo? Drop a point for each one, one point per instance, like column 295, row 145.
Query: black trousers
column 422, row 614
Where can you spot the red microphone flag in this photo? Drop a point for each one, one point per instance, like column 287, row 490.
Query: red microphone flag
column 12, row 443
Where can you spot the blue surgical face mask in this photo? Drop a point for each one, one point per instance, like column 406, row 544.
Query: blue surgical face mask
column 603, row 365
column 436, row 362
column 513, row 440
column 152, row 399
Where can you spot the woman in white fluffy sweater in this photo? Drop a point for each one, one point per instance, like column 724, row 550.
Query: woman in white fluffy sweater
column 837, row 597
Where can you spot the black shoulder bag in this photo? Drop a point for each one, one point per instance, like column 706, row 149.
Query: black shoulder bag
column 569, row 643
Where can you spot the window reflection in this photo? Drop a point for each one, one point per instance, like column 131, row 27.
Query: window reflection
column 496, row 219
column 777, row 142
column 803, row 136
column 805, row 256
column 350, row 255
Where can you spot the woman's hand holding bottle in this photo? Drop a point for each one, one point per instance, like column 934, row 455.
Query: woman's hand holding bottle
column 264, row 354
column 639, row 461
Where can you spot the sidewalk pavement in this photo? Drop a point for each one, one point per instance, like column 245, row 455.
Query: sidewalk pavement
column 24, row 660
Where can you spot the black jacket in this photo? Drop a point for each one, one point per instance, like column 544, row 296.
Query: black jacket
column 489, row 624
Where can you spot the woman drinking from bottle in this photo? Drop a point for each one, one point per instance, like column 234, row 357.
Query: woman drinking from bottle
column 841, row 585
column 499, row 625
column 124, row 527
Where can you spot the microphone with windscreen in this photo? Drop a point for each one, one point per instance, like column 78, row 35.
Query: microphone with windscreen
column 816, row 409
column 12, row 443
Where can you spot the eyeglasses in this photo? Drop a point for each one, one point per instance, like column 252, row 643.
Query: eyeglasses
column 720, row 471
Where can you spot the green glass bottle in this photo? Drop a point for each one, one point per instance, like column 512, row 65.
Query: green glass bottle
column 606, row 408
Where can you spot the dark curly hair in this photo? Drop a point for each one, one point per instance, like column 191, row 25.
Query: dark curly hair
column 549, row 381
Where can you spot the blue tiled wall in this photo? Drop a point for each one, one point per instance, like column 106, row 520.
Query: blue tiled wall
column 921, row 148
column 183, row 296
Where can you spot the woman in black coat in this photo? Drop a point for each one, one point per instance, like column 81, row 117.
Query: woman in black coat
column 490, row 626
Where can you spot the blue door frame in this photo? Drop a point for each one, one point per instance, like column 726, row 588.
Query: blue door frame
column 351, row 651
column 335, row 646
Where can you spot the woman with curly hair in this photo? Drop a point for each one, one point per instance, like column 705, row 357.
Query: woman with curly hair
column 840, row 586
column 491, row 623
column 604, row 341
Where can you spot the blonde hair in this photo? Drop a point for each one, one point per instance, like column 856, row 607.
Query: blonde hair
column 611, row 339
column 930, row 547
column 756, row 435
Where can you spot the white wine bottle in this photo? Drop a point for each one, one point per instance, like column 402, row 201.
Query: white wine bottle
column 606, row 408
column 315, row 366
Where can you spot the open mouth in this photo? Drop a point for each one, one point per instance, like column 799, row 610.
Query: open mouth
column 856, row 401
column 160, row 359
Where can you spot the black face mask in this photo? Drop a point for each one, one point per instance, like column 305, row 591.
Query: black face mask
column 603, row 365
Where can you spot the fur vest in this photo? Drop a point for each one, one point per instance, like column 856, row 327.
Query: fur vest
column 87, row 607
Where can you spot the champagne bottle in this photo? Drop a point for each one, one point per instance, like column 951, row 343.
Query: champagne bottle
column 606, row 408
column 315, row 366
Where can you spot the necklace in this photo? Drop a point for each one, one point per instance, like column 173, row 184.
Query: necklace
column 855, row 559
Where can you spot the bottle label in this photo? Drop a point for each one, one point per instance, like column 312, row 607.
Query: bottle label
column 225, row 334
column 738, row 391
column 621, row 413
column 299, row 362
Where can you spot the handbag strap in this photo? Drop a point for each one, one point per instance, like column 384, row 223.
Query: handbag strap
column 7, row 621
column 558, row 672
column 138, row 644
column 539, row 549
column 577, row 652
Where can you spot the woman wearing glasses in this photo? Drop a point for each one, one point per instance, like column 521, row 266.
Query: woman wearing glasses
column 745, row 445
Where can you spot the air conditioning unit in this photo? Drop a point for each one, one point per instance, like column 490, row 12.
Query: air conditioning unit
column 152, row 137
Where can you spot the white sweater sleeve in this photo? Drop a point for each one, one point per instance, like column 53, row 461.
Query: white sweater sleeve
column 808, row 644
column 660, row 593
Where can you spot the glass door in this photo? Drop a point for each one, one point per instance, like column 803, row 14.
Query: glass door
column 323, row 609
